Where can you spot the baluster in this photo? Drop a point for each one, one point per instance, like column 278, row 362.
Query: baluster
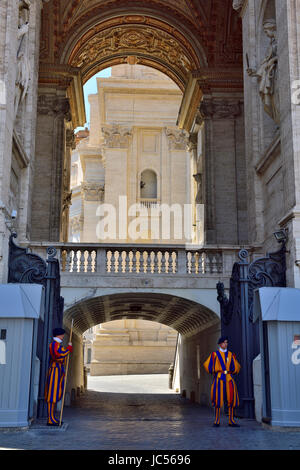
column 127, row 261
column 108, row 261
column 197, row 257
column 93, row 261
column 81, row 261
column 89, row 261
column 134, row 261
column 63, row 258
column 115, row 261
column 155, row 262
column 164, row 262
column 188, row 262
column 148, row 262
column 174, row 262
column 208, row 263
column 192, row 263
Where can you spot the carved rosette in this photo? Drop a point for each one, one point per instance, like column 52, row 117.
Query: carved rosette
column 116, row 136
column 92, row 191
column 177, row 139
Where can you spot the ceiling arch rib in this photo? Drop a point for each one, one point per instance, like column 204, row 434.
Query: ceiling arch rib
column 185, row 316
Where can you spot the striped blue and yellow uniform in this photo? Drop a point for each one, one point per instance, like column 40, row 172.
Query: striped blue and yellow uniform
column 223, row 365
column 55, row 378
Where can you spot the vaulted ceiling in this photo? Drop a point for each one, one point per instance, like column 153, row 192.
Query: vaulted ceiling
column 183, row 315
column 178, row 37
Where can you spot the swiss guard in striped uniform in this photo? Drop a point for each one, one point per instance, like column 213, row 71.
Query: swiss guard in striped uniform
column 222, row 364
column 56, row 374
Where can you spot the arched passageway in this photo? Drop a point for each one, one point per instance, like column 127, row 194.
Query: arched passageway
column 198, row 329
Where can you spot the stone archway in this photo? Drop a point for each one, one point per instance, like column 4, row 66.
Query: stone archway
column 197, row 325
column 198, row 45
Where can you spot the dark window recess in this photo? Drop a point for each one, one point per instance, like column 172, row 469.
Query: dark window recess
column 3, row 334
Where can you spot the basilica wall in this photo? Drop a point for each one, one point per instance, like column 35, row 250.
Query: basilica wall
column 271, row 48
column 19, row 62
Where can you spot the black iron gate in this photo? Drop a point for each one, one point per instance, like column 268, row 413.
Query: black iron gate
column 237, row 315
column 26, row 267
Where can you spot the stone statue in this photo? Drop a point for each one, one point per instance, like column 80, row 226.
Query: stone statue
column 267, row 74
column 23, row 64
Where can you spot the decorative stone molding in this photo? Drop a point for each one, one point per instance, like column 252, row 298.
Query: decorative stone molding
column 92, row 191
column 116, row 136
column 219, row 109
column 178, row 139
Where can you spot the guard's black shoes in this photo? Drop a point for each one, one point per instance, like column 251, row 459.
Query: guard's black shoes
column 52, row 424
column 234, row 425
column 215, row 425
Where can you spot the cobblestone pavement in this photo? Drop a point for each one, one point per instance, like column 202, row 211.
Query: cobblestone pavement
column 106, row 418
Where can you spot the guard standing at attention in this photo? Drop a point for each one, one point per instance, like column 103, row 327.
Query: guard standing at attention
column 222, row 364
column 56, row 374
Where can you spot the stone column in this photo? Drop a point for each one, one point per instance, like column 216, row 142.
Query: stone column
column 52, row 115
column 67, row 193
column 224, row 170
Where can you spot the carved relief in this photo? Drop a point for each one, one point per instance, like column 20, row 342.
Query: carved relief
column 116, row 136
column 142, row 40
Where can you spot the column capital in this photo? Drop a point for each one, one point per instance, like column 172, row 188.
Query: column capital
column 52, row 104
column 116, row 136
column 223, row 108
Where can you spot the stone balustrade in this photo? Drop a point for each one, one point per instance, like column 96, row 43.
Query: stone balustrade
column 125, row 259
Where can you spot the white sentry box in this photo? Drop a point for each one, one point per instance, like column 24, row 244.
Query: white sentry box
column 21, row 306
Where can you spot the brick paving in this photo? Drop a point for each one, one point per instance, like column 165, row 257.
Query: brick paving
column 147, row 416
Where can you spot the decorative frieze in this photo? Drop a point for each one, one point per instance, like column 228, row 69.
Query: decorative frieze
column 116, row 136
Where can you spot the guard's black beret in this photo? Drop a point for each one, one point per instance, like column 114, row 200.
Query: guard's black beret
column 58, row 331
column 222, row 339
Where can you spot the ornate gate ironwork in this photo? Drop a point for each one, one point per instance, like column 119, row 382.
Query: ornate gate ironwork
column 26, row 267
column 237, row 314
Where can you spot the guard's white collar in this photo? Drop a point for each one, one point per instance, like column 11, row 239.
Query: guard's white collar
column 58, row 340
column 223, row 350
